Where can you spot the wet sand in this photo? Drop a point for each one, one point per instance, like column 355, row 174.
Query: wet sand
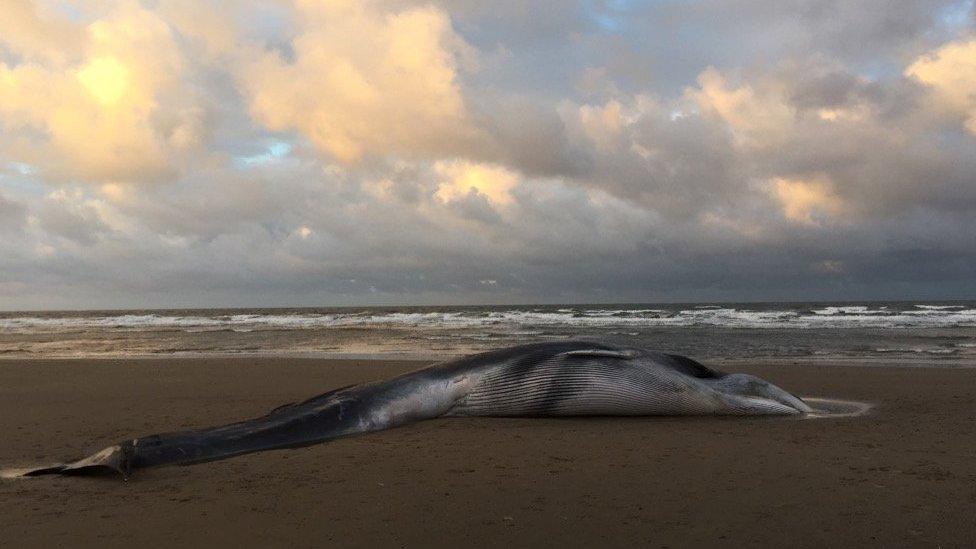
column 903, row 475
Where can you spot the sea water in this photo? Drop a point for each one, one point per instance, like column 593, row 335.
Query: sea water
column 938, row 333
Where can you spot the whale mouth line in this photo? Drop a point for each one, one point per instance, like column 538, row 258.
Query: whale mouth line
column 826, row 408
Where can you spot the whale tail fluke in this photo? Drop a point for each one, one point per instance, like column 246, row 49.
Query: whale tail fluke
column 295, row 425
column 40, row 471
column 111, row 460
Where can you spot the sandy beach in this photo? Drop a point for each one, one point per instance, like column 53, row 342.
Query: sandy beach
column 903, row 475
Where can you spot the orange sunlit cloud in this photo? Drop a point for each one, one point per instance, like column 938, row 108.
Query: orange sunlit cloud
column 951, row 72
column 807, row 201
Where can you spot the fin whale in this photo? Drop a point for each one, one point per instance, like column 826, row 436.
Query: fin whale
column 568, row 378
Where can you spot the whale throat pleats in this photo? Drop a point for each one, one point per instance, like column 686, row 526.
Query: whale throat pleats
column 588, row 382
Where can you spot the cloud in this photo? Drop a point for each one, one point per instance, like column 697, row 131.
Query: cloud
column 38, row 32
column 810, row 202
column 950, row 71
column 279, row 152
column 755, row 119
column 13, row 215
column 460, row 179
column 71, row 216
column 602, row 124
column 114, row 109
column 364, row 80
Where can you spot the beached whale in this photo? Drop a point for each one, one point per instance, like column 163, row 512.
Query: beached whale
column 543, row 379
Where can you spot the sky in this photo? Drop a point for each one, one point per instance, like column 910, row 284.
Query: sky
column 198, row 153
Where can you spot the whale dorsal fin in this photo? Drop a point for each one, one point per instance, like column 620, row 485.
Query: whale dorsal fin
column 599, row 353
column 693, row 367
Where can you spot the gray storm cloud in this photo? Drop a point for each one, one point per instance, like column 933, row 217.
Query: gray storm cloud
column 164, row 153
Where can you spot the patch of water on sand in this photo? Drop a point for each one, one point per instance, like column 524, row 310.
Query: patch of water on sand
column 832, row 407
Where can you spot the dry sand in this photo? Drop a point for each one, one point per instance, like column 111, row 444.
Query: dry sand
column 904, row 475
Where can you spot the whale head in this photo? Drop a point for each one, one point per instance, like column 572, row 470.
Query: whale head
column 758, row 391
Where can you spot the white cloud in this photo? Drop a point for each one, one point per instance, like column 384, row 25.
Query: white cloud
column 364, row 79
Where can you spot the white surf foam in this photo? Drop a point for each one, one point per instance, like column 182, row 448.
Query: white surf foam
column 853, row 316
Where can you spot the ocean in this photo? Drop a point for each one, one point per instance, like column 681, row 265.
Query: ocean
column 935, row 333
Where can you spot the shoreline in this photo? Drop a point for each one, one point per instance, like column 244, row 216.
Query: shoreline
column 428, row 358
column 901, row 475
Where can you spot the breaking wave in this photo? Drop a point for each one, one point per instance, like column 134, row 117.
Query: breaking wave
column 796, row 317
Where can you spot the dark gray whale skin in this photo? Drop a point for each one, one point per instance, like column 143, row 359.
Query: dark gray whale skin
column 568, row 378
